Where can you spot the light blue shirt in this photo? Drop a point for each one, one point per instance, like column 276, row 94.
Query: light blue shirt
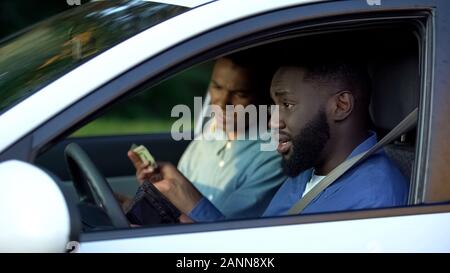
column 235, row 176
column 374, row 183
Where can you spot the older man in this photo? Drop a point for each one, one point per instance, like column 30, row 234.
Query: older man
column 235, row 175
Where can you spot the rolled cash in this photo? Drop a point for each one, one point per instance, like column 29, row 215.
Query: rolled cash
column 144, row 154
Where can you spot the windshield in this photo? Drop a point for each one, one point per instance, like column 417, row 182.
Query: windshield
column 40, row 54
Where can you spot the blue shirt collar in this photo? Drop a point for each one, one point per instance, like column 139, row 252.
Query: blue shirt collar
column 365, row 145
column 305, row 176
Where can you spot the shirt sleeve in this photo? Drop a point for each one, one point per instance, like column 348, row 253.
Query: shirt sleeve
column 205, row 211
column 257, row 188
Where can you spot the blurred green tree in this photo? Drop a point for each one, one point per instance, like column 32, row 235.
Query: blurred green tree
column 16, row 15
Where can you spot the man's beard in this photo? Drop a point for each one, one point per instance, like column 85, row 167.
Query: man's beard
column 307, row 146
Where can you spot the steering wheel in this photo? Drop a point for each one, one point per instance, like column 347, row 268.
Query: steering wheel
column 92, row 186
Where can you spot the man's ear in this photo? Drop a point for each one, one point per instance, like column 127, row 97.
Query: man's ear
column 342, row 105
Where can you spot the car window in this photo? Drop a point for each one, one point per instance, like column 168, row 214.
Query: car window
column 395, row 80
column 38, row 55
column 150, row 111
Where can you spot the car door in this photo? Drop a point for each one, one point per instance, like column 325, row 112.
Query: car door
column 374, row 230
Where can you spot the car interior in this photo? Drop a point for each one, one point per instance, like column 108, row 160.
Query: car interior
column 392, row 54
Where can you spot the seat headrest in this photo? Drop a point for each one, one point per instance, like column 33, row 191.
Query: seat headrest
column 395, row 90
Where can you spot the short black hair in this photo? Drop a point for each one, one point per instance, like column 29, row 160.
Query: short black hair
column 261, row 70
column 344, row 75
column 245, row 59
column 340, row 75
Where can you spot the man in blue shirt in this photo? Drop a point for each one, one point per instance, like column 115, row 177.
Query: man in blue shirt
column 323, row 120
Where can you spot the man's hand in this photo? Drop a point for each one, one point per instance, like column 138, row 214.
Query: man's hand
column 184, row 219
column 169, row 181
column 142, row 171
column 123, row 200
column 175, row 187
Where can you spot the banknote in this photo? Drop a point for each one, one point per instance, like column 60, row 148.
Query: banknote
column 144, row 154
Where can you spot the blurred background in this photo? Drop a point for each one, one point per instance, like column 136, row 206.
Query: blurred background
column 16, row 15
column 147, row 112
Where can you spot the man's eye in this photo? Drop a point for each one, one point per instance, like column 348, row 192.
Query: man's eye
column 214, row 86
column 287, row 105
column 241, row 95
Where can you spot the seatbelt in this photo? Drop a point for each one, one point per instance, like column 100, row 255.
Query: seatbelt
column 406, row 124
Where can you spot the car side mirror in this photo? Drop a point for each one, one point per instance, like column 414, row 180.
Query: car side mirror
column 35, row 215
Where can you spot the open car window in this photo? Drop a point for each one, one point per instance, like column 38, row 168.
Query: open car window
column 395, row 81
column 149, row 111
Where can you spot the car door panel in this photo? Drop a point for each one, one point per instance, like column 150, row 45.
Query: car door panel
column 386, row 234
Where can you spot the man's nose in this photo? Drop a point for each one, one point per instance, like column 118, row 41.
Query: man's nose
column 275, row 121
column 224, row 99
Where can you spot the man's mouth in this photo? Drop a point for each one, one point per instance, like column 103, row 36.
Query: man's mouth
column 284, row 144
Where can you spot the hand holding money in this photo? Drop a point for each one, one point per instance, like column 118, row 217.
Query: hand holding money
column 144, row 154
column 167, row 179
column 144, row 163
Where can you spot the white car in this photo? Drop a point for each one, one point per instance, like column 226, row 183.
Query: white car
column 67, row 71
